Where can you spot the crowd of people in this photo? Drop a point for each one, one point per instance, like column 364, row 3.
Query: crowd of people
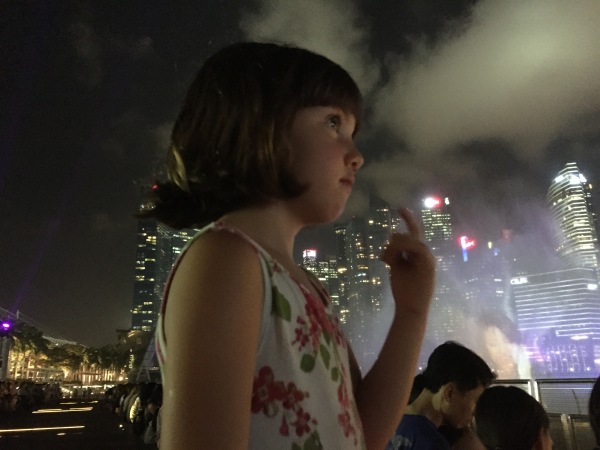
column 25, row 396
column 452, row 405
column 138, row 405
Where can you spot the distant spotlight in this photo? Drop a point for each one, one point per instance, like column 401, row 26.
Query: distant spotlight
column 432, row 202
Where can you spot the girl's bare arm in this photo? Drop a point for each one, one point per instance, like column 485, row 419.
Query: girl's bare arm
column 212, row 325
column 382, row 395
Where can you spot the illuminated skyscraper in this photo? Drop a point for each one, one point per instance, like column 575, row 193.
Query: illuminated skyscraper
column 485, row 278
column 326, row 270
column 144, row 311
column 363, row 277
column 437, row 224
column 309, row 259
column 342, row 268
column 357, row 292
column 379, row 226
column 576, row 225
column 558, row 314
column 157, row 248
column 446, row 318
column 567, row 301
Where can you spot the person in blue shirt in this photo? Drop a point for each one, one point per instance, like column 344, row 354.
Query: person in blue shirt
column 446, row 392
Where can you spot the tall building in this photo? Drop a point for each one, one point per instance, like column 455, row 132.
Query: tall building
column 357, row 291
column 309, row 259
column 143, row 313
column 564, row 301
column 569, row 199
column 378, row 229
column 485, row 276
column 157, row 248
column 362, row 277
column 326, row 270
column 342, row 269
column 446, row 318
column 558, row 314
column 437, row 225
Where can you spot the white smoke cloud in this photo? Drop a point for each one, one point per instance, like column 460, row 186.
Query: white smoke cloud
column 516, row 74
column 525, row 71
column 333, row 28
column 522, row 70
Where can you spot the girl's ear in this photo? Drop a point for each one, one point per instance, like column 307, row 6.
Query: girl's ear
column 542, row 440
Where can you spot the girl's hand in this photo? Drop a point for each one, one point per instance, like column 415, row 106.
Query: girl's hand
column 412, row 267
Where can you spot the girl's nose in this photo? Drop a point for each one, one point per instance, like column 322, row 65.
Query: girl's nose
column 356, row 158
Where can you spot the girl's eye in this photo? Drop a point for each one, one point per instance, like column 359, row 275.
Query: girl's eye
column 334, row 122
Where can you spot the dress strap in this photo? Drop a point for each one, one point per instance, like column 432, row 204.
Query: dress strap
column 227, row 227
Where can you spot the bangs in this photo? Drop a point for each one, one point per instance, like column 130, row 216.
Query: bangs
column 326, row 84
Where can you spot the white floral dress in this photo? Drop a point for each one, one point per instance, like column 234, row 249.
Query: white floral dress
column 302, row 397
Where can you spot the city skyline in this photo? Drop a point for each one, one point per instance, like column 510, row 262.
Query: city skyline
column 480, row 101
column 488, row 295
column 540, row 320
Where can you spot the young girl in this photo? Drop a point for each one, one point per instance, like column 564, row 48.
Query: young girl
column 251, row 353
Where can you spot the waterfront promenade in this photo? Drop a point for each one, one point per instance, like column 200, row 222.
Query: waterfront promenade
column 91, row 424
column 69, row 425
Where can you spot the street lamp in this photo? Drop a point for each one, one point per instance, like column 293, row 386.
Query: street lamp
column 6, row 328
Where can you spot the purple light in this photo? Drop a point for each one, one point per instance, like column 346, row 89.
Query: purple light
column 5, row 325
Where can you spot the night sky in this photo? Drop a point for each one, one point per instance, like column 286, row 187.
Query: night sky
column 482, row 101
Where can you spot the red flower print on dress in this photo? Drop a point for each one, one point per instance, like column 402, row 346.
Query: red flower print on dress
column 284, row 429
column 345, row 421
column 269, row 395
column 302, row 422
column 266, row 392
column 315, row 317
column 344, row 418
column 302, row 333
column 318, row 323
column 292, row 397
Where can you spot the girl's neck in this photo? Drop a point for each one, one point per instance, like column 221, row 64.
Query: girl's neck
column 270, row 226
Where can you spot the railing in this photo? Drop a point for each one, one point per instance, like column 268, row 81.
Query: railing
column 566, row 402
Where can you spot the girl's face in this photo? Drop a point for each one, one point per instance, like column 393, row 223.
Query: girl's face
column 325, row 159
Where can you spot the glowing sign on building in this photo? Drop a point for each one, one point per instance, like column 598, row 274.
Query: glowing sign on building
column 310, row 253
column 466, row 244
column 518, row 280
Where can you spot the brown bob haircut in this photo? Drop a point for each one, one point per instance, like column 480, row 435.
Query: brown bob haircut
column 229, row 144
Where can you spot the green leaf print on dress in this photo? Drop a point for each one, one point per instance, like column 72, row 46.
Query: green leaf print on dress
column 307, row 364
column 325, row 355
column 281, row 306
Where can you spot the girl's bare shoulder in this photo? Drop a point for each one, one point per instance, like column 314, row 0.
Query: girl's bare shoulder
column 219, row 249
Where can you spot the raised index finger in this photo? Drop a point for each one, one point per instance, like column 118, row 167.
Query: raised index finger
column 414, row 229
